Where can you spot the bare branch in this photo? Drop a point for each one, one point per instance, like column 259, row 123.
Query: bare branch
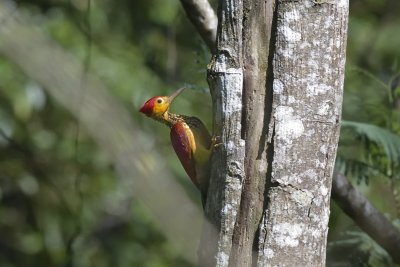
column 203, row 17
column 366, row 216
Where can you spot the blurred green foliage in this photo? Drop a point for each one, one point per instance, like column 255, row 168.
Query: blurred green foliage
column 60, row 204
column 368, row 147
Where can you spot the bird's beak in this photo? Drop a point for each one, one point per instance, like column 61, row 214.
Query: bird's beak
column 177, row 92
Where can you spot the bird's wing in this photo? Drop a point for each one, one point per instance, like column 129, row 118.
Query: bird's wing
column 182, row 142
column 200, row 132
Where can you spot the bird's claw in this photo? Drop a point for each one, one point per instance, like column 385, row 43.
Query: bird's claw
column 215, row 142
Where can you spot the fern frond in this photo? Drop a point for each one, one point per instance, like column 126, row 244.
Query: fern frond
column 360, row 170
column 388, row 141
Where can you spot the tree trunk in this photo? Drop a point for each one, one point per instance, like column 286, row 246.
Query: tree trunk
column 276, row 81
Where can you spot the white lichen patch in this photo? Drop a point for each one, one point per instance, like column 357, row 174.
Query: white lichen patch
column 309, row 3
column 283, row 180
column 310, row 133
column 308, row 175
column 233, row 184
column 289, row 180
column 327, row 67
column 277, row 86
column 324, row 109
column 285, row 52
column 316, row 88
column 290, row 35
column 343, row 3
column 316, row 43
column 323, row 149
column 312, row 64
column 288, row 125
column 309, row 79
column 316, row 233
column 328, row 22
column 262, row 168
column 324, row 190
column 328, row 57
column 242, row 143
column 291, row 99
column 292, row 15
column 320, row 164
column 325, row 219
column 222, row 259
column 227, row 209
column 302, row 197
column 233, row 81
column 268, row 253
column 305, row 45
column 230, row 146
column 317, row 201
column 287, row 234
column 338, row 43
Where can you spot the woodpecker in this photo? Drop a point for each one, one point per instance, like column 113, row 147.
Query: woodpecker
column 189, row 137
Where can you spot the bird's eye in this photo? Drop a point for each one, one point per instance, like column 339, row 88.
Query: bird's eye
column 159, row 101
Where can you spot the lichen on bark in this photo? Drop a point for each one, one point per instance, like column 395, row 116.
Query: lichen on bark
column 308, row 68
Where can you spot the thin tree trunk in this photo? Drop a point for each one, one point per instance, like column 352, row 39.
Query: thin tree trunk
column 225, row 77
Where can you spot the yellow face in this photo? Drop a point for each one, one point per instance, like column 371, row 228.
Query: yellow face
column 156, row 106
column 160, row 106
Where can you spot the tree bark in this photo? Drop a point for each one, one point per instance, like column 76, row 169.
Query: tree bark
column 257, row 108
column 276, row 81
column 308, row 69
column 225, row 77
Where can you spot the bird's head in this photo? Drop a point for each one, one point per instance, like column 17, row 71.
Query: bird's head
column 157, row 106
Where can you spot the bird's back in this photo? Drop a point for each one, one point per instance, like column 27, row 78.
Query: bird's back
column 192, row 143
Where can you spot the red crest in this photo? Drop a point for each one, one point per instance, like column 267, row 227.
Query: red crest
column 147, row 107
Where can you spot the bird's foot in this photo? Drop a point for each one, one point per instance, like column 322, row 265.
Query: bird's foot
column 215, row 142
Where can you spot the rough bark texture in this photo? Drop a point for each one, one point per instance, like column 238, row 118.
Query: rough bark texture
column 225, row 76
column 308, row 69
column 257, row 96
column 366, row 216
